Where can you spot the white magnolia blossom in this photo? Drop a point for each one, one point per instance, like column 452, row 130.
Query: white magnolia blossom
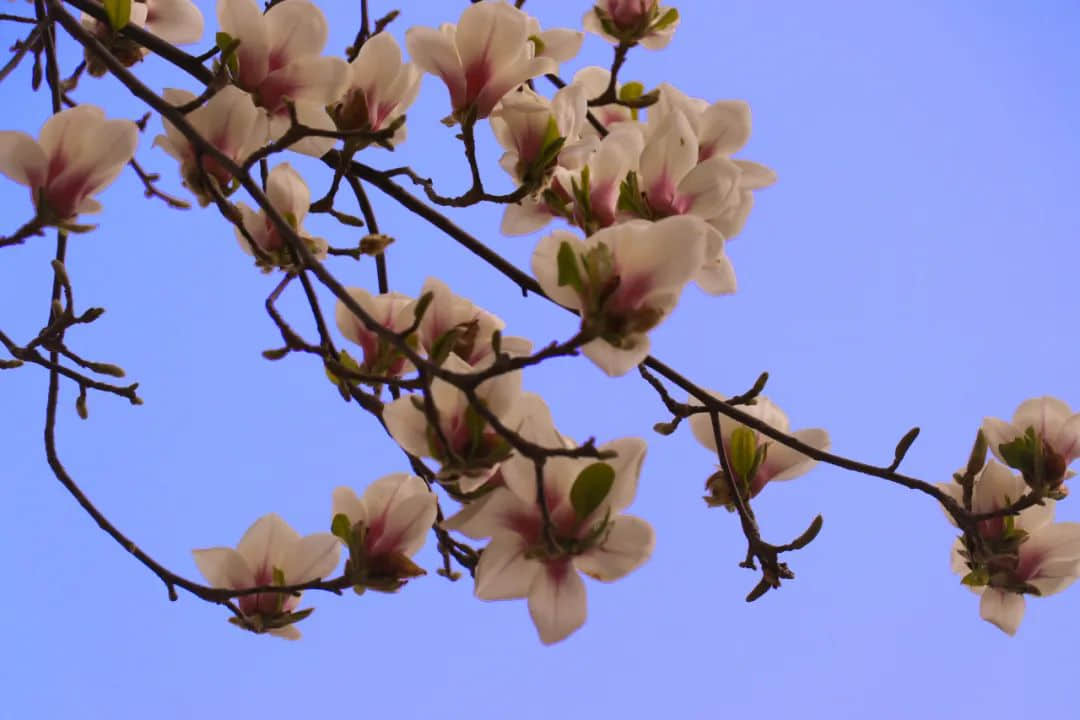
column 474, row 325
column 279, row 59
column 672, row 181
column 394, row 311
column 229, row 121
column 380, row 89
column 643, row 21
column 289, row 195
column 626, row 280
column 779, row 462
column 722, row 129
column 464, row 443
column 1029, row 554
column 391, row 521
column 592, row 537
column 78, row 154
column 1056, row 429
column 528, row 126
column 270, row 548
column 486, row 55
column 615, row 156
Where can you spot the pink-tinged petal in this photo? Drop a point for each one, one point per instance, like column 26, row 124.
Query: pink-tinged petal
column 783, row 463
column 617, row 155
column 288, row 192
column 255, row 227
column 524, row 218
column 561, row 44
column 407, row 425
column 629, row 542
column 667, row 252
column 22, row 159
column 64, row 135
column 379, row 55
column 400, row 510
column 668, row 156
column 958, row 565
column 497, row 511
column 312, row 115
column 312, row 557
column 508, row 77
column 1051, row 552
column 545, row 267
column 1068, row 440
column 997, row 433
column 995, row 487
column 230, row 121
column 311, row 79
column 266, row 543
column 434, row 53
column 243, row 21
column 488, row 37
column 224, row 567
column 709, row 188
column 725, row 127
column 1003, row 609
column 1046, row 414
column 614, row 361
column 754, row 176
column 178, row 21
column 100, row 161
column 351, row 326
column 474, row 481
column 344, row 501
column 519, row 475
column 504, row 571
column 296, row 29
column 557, row 601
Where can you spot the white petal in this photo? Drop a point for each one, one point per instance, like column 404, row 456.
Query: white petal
column 1046, row 414
column 561, row 44
column 287, row 191
column 434, row 53
column 267, row 542
column 628, row 544
column 524, row 218
column 310, row 558
column 349, row 324
column 64, row 134
column 243, row 21
column 491, row 514
column 614, row 361
column 784, row 463
column 717, row 276
column 557, row 602
column 223, row 567
column 345, row 502
column 504, row 571
column 491, row 35
column 712, row 186
column 406, row 509
column 630, row 454
column 178, row 21
column 102, row 161
column 1004, row 609
column 725, row 126
column 289, row 632
column 407, row 425
column 22, row 159
column 296, row 29
column 668, row 252
column 669, row 155
column 754, row 176
column 998, row 433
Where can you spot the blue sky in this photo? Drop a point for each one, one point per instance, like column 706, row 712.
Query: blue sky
column 914, row 265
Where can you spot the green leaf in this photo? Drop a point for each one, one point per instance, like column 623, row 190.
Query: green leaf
column 591, row 487
column 341, row 527
column 666, row 20
column 568, row 268
column 538, row 45
column 444, row 344
column 976, row 578
column 228, row 44
column 742, row 450
column 421, row 306
column 278, row 576
column 118, row 12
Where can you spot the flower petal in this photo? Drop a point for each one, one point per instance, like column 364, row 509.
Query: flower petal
column 614, row 361
column 628, row 544
column 310, row 558
column 295, row 29
column 346, row 502
column 784, row 463
column 557, row 601
column 504, row 571
column 1004, row 609
column 178, row 21
column 22, row 159
column 267, row 542
column 545, row 267
column 243, row 21
column 224, row 567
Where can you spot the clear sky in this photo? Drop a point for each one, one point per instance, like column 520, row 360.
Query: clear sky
column 914, row 265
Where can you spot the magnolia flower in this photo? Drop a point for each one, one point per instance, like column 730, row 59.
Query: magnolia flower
column 486, row 55
column 279, row 59
column 472, row 326
column 79, row 154
column 538, row 133
column 624, row 280
column 289, row 195
column 463, row 442
column 384, row 528
column 721, row 129
column 1026, row 554
column 588, row 534
column 633, row 21
column 595, row 80
column 599, row 183
column 380, row 89
column 394, row 311
column 1041, row 428
column 270, row 553
column 176, row 21
column 755, row 458
column 671, row 181
column 229, row 121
